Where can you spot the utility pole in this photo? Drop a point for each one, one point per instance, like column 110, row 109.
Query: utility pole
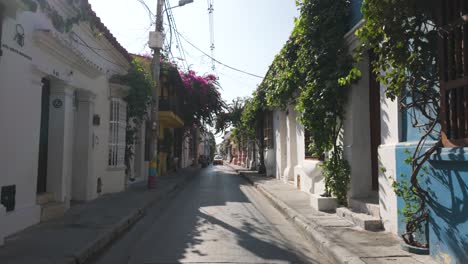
column 155, row 43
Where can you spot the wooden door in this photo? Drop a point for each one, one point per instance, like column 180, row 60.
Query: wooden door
column 43, row 138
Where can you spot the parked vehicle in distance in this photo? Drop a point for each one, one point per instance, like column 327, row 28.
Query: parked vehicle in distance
column 218, row 160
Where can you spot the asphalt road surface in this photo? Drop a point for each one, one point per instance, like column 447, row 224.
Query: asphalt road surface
column 217, row 218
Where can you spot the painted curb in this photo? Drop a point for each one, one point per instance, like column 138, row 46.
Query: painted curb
column 109, row 236
column 313, row 231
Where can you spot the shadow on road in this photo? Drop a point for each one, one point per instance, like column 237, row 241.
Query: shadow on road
column 213, row 221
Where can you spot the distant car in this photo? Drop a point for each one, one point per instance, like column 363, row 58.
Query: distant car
column 218, row 160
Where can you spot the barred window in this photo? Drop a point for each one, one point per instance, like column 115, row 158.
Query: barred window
column 268, row 130
column 117, row 127
column 453, row 56
column 308, row 152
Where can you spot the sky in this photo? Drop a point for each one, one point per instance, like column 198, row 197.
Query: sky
column 248, row 34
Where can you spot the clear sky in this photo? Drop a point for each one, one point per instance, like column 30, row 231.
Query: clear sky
column 248, row 34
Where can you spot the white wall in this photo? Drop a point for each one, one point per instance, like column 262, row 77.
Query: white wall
column 387, row 197
column 356, row 135
column 280, row 143
column 20, row 109
column 390, row 122
column 21, row 71
column 291, row 143
column 311, row 179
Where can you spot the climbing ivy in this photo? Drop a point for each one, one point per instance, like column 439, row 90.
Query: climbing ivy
column 251, row 125
column 59, row 22
column 312, row 72
column 138, row 101
column 401, row 35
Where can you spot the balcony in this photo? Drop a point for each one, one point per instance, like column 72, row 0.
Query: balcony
column 170, row 112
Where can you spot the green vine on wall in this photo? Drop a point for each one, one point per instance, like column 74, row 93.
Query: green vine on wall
column 404, row 189
column 138, row 101
column 402, row 36
column 59, row 22
column 312, row 71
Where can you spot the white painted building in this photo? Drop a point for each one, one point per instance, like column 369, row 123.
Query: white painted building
column 369, row 135
column 286, row 158
column 62, row 122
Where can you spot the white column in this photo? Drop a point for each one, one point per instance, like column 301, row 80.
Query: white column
column 281, row 139
column 60, row 150
column 83, row 178
column 291, row 142
column 140, row 168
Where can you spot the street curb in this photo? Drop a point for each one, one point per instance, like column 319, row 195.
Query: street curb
column 105, row 239
column 313, row 231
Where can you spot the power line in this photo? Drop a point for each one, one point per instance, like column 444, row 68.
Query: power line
column 217, row 61
column 173, row 26
column 212, row 38
column 94, row 50
column 150, row 13
column 178, row 35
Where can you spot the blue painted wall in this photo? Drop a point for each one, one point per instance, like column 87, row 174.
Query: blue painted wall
column 447, row 184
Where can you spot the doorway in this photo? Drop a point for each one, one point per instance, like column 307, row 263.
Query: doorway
column 43, row 138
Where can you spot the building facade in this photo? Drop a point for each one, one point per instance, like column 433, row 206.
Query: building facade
column 377, row 138
column 62, row 121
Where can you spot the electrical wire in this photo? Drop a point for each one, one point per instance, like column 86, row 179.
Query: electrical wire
column 217, row 61
column 178, row 36
column 173, row 25
column 151, row 15
column 84, row 43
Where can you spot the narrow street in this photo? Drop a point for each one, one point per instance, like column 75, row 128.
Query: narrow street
column 217, row 218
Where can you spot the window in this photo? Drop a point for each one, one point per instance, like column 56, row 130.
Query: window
column 453, row 56
column 268, row 130
column 308, row 137
column 117, row 127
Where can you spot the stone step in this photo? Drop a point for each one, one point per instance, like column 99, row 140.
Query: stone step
column 365, row 206
column 44, row 198
column 52, row 210
column 364, row 221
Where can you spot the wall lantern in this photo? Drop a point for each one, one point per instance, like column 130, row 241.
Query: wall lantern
column 96, row 120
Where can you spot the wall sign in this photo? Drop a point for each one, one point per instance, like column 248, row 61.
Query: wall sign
column 57, row 103
column 19, row 36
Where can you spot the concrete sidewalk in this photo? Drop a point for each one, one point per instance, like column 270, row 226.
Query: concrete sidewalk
column 335, row 236
column 89, row 227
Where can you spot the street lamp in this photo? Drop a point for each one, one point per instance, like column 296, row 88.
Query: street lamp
column 184, row 2
column 181, row 3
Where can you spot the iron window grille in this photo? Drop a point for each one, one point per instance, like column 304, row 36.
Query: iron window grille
column 117, row 129
column 453, row 59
